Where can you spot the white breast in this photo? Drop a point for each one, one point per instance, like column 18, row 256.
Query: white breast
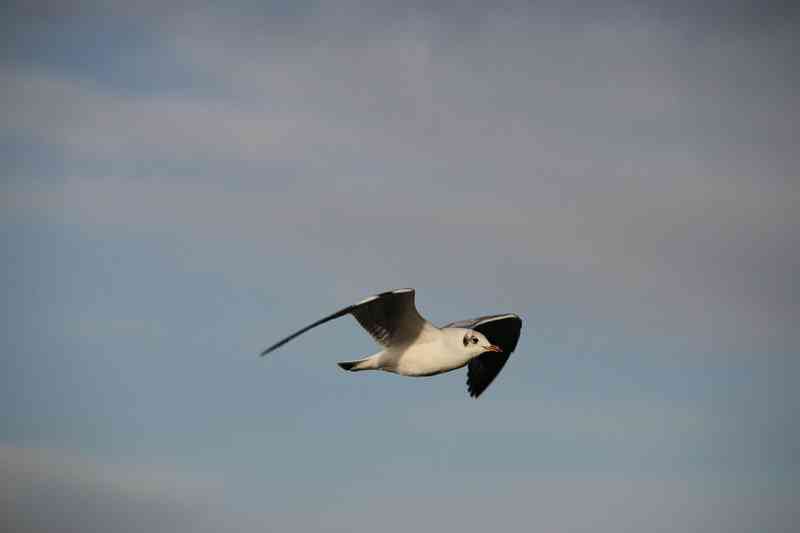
column 430, row 355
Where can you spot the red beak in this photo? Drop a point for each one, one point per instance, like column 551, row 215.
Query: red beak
column 492, row 348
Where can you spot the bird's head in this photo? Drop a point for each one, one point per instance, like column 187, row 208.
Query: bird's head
column 477, row 343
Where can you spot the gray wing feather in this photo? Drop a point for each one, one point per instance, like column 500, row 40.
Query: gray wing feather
column 390, row 317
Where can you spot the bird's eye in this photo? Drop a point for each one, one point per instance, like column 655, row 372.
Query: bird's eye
column 474, row 340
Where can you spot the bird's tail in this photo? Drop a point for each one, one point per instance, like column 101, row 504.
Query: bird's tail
column 368, row 363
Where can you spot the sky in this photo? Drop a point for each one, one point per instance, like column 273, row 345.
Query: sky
column 183, row 184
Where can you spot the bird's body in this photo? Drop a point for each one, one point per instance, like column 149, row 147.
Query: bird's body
column 415, row 347
column 434, row 351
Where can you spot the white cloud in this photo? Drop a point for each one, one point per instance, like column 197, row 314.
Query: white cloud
column 699, row 257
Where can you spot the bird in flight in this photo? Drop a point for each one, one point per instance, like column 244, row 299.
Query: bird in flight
column 412, row 346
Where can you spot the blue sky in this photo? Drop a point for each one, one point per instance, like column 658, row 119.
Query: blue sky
column 183, row 186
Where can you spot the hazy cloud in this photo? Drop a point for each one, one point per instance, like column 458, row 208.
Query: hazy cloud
column 46, row 490
column 623, row 175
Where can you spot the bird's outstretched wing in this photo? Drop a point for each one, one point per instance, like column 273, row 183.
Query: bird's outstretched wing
column 390, row 317
column 502, row 331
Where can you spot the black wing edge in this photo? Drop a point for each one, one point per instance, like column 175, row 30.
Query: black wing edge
column 482, row 371
column 502, row 331
column 340, row 313
column 319, row 322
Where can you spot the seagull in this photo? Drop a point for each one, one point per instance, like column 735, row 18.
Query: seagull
column 414, row 347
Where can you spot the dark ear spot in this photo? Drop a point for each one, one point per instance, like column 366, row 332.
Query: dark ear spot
column 466, row 339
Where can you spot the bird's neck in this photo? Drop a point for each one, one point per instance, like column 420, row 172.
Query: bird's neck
column 454, row 337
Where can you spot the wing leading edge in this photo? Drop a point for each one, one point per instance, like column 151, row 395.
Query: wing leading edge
column 389, row 317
